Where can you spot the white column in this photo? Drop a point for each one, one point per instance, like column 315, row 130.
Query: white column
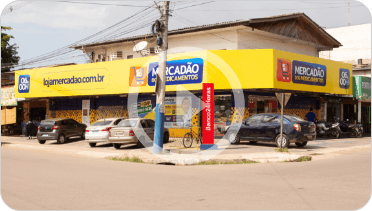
column 325, row 111
column 359, row 111
column 342, row 112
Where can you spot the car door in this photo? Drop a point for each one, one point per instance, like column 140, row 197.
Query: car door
column 67, row 128
column 145, row 128
column 269, row 127
column 73, row 127
column 151, row 129
column 79, row 128
column 250, row 127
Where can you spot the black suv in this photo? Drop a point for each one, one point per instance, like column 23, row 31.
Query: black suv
column 59, row 129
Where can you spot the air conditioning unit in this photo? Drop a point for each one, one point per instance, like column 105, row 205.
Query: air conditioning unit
column 157, row 49
column 145, row 52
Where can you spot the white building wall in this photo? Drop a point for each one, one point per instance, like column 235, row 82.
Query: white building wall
column 355, row 40
column 225, row 39
column 219, row 39
column 247, row 39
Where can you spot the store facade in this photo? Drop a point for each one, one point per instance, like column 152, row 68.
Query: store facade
column 88, row 92
column 362, row 94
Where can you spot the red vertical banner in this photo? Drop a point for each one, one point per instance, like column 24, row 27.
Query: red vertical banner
column 208, row 113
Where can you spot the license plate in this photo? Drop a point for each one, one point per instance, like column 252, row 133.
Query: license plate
column 119, row 134
column 309, row 137
column 95, row 131
column 45, row 135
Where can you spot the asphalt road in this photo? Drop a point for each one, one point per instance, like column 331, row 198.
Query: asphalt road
column 35, row 180
column 243, row 147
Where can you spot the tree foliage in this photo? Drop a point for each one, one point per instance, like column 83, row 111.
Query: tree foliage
column 8, row 52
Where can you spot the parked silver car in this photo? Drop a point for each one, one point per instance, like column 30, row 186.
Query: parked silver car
column 59, row 129
column 136, row 131
column 98, row 132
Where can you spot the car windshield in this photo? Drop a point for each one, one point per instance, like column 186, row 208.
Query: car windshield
column 101, row 123
column 47, row 123
column 127, row 123
column 293, row 118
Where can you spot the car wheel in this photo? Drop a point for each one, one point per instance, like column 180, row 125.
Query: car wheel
column 285, row 141
column 253, row 142
column 166, row 138
column 117, row 146
column 141, row 142
column 83, row 135
column 61, row 139
column 301, row 144
column 41, row 141
column 233, row 137
column 92, row 144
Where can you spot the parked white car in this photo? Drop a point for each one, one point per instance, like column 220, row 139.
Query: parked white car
column 98, row 132
column 136, row 131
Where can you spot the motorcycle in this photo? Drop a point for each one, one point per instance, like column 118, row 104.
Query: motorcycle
column 353, row 130
column 322, row 129
column 343, row 128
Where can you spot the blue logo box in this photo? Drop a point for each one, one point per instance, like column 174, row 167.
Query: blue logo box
column 24, row 84
column 344, row 79
column 187, row 71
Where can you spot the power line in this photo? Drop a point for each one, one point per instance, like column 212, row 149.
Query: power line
column 255, row 10
column 11, row 8
column 195, row 5
column 85, row 39
column 119, row 30
column 65, row 50
column 123, row 5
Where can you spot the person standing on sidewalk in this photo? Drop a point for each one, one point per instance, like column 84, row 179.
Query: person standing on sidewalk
column 30, row 127
column 310, row 116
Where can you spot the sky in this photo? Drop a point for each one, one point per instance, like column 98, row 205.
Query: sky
column 41, row 27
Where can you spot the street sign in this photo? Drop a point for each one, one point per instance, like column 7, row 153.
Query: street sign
column 208, row 114
column 286, row 97
column 282, row 97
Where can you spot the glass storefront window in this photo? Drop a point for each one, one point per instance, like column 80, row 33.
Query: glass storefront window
column 262, row 104
column 222, row 115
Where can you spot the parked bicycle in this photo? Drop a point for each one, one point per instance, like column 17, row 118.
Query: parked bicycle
column 191, row 137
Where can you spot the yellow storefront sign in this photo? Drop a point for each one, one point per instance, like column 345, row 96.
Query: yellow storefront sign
column 227, row 69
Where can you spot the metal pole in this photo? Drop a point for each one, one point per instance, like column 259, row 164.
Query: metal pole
column 281, row 121
column 348, row 13
column 160, row 95
column 359, row 111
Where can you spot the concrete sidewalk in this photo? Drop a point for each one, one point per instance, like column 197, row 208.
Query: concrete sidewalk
column 260, row 152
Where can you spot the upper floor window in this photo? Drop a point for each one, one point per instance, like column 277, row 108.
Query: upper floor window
column 116, row 55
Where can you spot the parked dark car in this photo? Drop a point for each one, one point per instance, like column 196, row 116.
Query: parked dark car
column 266, row 127
column 59, row 129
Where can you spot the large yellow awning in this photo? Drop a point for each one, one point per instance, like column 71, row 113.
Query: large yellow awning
column 227, row 69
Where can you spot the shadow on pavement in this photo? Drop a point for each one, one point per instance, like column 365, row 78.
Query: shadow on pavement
column 68, row 141
column 103, row 145
column 128, row 147
column 273, row 145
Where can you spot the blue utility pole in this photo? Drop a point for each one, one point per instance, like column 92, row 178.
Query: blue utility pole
column 161, row 79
